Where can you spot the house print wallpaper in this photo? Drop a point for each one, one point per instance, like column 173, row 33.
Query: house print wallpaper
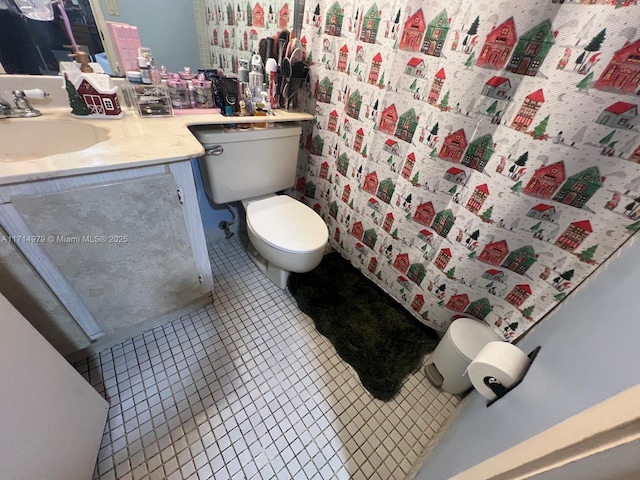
column 236, row 27
column 474, row 157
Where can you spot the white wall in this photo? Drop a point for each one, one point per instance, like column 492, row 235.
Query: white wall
column 167, row 27
column 590, row 351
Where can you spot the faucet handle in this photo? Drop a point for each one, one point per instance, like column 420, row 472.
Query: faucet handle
column 33, row 93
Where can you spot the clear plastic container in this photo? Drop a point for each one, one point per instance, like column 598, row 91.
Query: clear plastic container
column 150, row 100
column 203, row 92
column 179, row 92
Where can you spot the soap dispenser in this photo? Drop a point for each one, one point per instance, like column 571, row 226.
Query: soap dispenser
column 83, row 59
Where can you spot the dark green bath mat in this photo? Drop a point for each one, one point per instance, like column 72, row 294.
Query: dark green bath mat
column 369, row 330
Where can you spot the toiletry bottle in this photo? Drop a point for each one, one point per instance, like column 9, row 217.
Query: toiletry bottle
column 144, row 70
column 154, row 73
column 179, row 92
column 203, row 92
column 186, row 74
column 271, row 77
column 243, row 70
column 256, row 78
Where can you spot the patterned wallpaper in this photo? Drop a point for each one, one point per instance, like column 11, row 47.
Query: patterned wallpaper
column 236, row 27
column 477, row 158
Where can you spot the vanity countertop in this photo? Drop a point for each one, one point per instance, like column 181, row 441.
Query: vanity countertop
column 131, row 142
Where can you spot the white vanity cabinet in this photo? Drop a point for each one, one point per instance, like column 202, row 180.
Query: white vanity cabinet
column 120, row 251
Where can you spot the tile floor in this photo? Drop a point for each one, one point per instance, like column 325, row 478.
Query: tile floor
column 247, row 389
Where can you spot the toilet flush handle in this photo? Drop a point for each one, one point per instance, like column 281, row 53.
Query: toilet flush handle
column 214, row 150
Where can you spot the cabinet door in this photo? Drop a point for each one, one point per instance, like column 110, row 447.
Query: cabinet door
column 122, row 246
column 31, row 296
column 52, row 419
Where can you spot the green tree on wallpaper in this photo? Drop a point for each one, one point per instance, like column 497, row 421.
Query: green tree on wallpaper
column 587, row 254
column 528, row 311
column 433, row 132
column 413, row 85
column 586, row 83
column 472, row 255
column 453, row 190
column 605, row 140
column 444, row 104
column 471, row 60
column 520, row 162
column 473, row 29
column 474, row 236
column 596, row 42
column 517, row 187
column 451, row 272
column 415, row 180
column 486, row 215
column 492, row 109
column 540, row 129
column 579, row 60
column 381, row 82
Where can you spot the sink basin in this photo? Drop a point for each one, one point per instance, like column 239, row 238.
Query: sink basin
column 28, row 139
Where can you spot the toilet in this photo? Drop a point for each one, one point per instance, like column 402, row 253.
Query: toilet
column 251, row 166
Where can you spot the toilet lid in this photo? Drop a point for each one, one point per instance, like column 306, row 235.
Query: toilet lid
column 287, row 224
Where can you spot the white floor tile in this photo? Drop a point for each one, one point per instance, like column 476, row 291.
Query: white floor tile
column 247, row 388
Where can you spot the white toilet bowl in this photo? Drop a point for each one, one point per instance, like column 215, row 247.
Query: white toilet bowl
column 285, row 235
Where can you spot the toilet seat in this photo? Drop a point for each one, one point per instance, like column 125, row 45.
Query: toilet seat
column 287, row 224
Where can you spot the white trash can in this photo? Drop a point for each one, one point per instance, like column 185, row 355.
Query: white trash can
column 446, row 368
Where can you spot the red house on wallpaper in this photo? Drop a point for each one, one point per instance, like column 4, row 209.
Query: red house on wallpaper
column 436, row 87
column 374, row 69
column 518, row 295
column 412, row 32
column 333, row 121
column 257, row 16
column 346, row 193
column 494, row 253
column 574, row 235
column 407, row 168
column 357, row 230
column 546, row 180
column 528, row 110
column 283, row 16
column 401, row 263
column 357, row 142
column 343, row 57
column 458, row 303
column 388, row 222
column 442, row 259
column 454, row 146
column 622, row 75
column 324, row 170
column 424, row 214
column 479, row 195
column 497, row 47
column 370, row 184
column 417, row 303
column 388, row 120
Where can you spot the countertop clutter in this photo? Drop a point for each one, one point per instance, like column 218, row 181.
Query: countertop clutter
column 126, row 143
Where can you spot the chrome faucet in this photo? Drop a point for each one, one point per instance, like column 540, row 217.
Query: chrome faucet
column 22, row 108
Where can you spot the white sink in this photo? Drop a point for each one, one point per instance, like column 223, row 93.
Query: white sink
column 28, row 139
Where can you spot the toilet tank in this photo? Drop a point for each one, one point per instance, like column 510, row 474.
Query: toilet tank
column 247, row 163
